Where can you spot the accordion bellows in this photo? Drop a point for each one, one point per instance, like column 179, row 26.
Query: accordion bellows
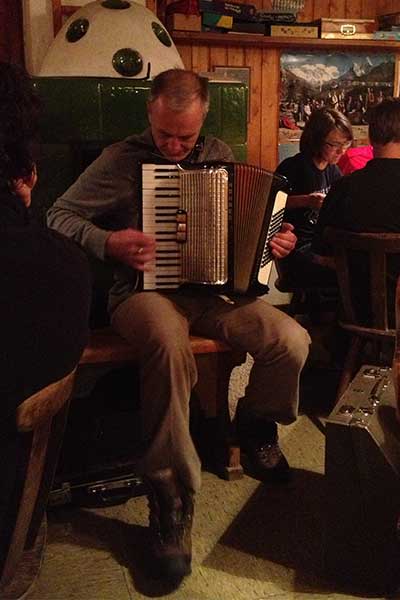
column 212, row 225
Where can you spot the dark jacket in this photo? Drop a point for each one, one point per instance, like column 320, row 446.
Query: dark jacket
column 367, row 200
column 44, row 310
column 44, row 305
column 304, row 178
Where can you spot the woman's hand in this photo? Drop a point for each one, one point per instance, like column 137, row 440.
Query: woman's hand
column 315, row 200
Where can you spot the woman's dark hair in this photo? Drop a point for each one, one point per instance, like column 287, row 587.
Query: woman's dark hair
column 19, row 112
column 321, row 122
column 384, row 122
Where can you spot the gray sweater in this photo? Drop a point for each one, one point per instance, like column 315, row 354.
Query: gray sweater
column 106, row 196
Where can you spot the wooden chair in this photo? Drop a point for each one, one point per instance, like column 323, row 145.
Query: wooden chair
column 367, row 298
column 215, row 361
column 40, row 422
column 301, row 299
column 304, row 300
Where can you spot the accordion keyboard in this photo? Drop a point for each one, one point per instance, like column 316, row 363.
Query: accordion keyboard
column 161, row 192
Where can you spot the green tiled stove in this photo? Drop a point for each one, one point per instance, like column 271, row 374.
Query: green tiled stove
column 82, row 115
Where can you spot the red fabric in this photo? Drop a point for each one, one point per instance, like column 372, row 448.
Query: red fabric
column 288, row 123
column 355, row 158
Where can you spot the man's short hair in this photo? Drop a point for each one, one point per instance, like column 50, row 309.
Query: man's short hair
column 321, row 122
column 180, row 88
column 384, row 121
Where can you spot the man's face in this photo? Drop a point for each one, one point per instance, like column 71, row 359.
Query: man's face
column 175, row 133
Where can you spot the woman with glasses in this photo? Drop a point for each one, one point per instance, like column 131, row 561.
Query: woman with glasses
column 326, row 137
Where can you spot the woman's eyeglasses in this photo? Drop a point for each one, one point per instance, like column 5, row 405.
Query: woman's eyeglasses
column 338, row 145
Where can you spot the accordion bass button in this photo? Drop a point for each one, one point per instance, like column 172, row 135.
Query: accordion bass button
column 181, row 216
column 181, row 225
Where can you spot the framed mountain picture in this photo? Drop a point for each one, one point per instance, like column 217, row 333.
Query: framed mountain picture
column 349, row 82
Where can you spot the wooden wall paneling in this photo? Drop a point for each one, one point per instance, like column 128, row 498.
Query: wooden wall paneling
column 218, row 56
column 185, row 52
column 341, row 9
column 253, row 59
column 321, row 9
column 368, row 9
column 306, row 15
column 235, row 56
column 266, row 4
column 270, row 75
column 200, row 58
column 353, row 9
column 396, row 86
column 257, row 3
column 387, row 6
column 338, row 9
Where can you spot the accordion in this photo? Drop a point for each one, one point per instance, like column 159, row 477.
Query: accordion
column 212, row 224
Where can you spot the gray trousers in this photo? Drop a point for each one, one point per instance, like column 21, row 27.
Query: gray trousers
column 157, row 326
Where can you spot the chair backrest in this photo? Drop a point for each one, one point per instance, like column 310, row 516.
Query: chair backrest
column 40, row 422
column 367, row 268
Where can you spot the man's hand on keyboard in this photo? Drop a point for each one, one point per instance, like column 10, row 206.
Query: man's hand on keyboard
column 132, row 247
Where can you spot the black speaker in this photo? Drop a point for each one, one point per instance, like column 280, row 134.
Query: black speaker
column 362, row 467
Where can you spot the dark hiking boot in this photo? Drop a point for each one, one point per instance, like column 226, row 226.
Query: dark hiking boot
column 171, row 518
column 258, row 440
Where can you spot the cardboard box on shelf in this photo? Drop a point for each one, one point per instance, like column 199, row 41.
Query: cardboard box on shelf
column 215, row 20
column 350, row 29
column 180, row 22
column 234, row 9
column 298, row 30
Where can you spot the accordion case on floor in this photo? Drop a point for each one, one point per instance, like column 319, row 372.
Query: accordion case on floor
column 212, row 225
column 362, row 469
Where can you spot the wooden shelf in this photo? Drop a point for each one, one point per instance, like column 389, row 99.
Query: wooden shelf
column 261, row 41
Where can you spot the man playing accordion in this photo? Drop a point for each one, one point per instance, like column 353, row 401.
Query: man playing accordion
column 157, row 325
